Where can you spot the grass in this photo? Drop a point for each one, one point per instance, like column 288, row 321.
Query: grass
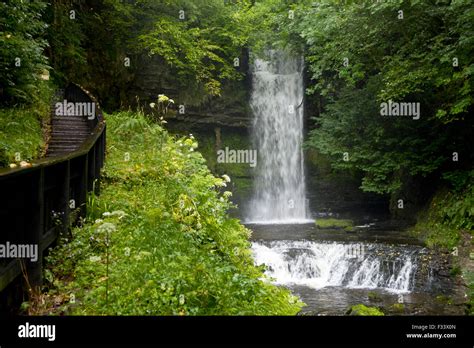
column 158, row 241
column 333, row 223
column 21, row 135
column 22, row 128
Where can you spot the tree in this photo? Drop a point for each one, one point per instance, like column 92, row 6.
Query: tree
column 22, row 62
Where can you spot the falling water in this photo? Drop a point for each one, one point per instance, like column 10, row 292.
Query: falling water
column 276, row 103
column 352, row 265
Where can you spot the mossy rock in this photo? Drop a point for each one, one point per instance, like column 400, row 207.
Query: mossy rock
column 444, row 299
column 334, row 223
column 362, row 310
column 397, row 308
column 373, row 296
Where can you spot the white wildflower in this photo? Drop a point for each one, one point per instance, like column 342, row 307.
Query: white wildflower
column 107, row 227
column 162, row 98
column 119, row 213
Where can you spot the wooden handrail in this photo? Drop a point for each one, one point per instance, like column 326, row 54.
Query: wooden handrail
column 54, row 185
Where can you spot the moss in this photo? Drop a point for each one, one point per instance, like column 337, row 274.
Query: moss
column 469, row 279
column 373, row 296
column 444, row 299
column 334, row 223
column 397, row 307
column 362, row 310
column 455, row 271
column 320, row 164
column 233, row 140
column 439, row 225
column 435, row 234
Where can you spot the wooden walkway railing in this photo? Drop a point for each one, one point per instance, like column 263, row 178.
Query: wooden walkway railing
column 36, row 203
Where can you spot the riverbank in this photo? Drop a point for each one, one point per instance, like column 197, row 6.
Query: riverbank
column 157, row 241
column 446, row 225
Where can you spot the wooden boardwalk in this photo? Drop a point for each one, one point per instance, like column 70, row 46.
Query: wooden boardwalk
column 40, row 202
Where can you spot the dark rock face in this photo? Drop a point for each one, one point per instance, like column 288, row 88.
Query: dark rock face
column 337, row 194
column 153, row 76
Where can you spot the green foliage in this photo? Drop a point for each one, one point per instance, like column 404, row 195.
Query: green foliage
column 272, row 27
column 202, row 45
column 409, row 59
column 459, row 179
column 198, row 50
column 21, row 130
column 161, row 222
column 66, row 38
column 468, row 276
column 447, row 213
column 21, row 51
column 457, row 210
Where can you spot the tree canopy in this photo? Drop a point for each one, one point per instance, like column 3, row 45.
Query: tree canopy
column 358, row 55
column 361, row 54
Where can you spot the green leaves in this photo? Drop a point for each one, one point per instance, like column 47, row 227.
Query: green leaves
column 362, row 54
column 175, row 252
column 21, row 51
column 202, row 46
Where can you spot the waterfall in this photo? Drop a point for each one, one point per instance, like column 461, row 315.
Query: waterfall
column 351, row 265
column 277, row 105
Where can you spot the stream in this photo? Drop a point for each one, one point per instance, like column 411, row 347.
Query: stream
column 377, row 264
column 331, row 270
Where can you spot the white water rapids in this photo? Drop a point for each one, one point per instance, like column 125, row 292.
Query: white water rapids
column 277, row 104
column 323, row 264
column 279, row 195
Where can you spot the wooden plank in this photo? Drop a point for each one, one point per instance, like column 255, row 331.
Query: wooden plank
column 9, row 272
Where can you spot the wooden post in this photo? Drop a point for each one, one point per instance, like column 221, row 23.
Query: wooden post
column 64, row 198
column 97, row 150
column 82, row 204
column 91, row 169
column 35, row 230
